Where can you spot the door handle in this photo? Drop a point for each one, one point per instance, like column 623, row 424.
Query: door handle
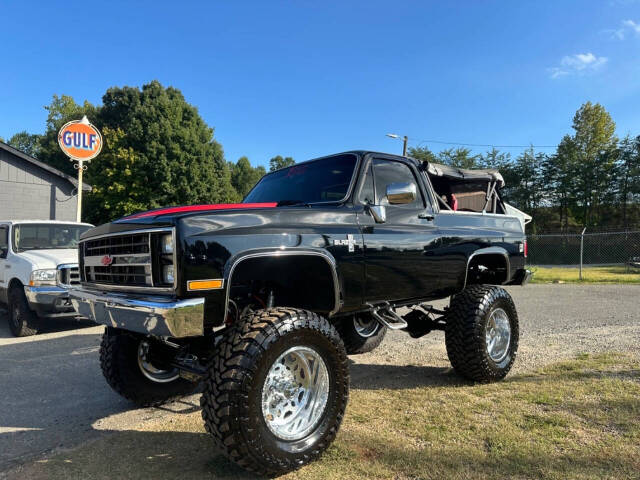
column 426, row 216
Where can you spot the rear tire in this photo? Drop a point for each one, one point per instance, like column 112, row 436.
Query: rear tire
column 22, row 320
column 361, row 333
column 262, row 410
column 482, row 333
column 132, row 377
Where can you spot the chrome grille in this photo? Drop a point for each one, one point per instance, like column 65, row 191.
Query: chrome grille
column 127, row 261
column 133, row 244
column 122, row 260
column 120, row 275
column 68, row 275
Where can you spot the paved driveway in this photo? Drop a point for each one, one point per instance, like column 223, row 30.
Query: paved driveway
column 52, row 394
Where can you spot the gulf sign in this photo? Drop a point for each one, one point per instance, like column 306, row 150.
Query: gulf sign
column 80, row 140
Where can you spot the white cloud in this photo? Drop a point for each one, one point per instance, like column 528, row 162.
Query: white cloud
column 626, row 27
column 578, row 64
column 632, row 25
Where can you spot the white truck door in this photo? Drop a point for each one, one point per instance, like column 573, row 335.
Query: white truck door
column 4, row 264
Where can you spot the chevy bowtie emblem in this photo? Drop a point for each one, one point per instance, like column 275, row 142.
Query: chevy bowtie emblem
column 106, row 260
column 350, row 242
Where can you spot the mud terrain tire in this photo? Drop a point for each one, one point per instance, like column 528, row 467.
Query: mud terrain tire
column 233, row 402
column 119, row 363
column 469, row 327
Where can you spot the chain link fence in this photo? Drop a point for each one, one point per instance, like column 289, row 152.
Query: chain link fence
column 588, row 249
column 605, row 257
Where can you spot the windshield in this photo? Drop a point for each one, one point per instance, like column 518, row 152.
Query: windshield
column 40, row 236
column 324, row 180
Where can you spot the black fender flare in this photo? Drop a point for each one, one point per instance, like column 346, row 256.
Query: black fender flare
column 488, row 251
column 237, row 259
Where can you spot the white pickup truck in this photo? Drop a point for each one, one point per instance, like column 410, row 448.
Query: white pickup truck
column 38, row 264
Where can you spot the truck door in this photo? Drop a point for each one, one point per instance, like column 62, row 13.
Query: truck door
column 4, row 251
column 400, row 253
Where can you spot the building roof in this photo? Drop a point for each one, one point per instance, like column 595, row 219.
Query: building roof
column 52, row 222
column 85, row 186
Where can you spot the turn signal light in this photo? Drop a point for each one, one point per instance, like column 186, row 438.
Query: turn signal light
column 205, row 284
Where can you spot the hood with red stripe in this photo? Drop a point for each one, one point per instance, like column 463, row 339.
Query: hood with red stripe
column 195, row 208
column 165, row 217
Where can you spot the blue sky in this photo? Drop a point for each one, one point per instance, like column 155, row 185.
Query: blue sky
column 308, row 78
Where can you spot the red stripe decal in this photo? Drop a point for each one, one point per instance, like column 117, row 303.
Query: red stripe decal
column 199, row 208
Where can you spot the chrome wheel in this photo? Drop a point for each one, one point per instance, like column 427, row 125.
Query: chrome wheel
column 498, row 335
column 365, row 328
column 152, row 373
column 295, row 393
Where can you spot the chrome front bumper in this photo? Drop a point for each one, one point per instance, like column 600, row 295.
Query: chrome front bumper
column 151, row 315
column 49, row 301
column 45, row 295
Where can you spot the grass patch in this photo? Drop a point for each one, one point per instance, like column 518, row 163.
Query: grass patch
column 572, row 420
column 609, row 274
column 576, row 419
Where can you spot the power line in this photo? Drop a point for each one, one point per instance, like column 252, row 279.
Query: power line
column 480, row 144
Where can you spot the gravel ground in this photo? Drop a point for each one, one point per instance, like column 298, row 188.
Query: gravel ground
column 556, row 322
column 53, row 396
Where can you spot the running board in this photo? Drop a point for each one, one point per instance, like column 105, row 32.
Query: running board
column 388, row 317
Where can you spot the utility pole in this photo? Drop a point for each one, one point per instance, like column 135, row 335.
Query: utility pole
column 405, row 142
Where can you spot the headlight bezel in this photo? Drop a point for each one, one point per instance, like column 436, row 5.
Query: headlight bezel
column 164, row 247
column 44, row 277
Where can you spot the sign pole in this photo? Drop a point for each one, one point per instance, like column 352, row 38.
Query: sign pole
column 79, row 209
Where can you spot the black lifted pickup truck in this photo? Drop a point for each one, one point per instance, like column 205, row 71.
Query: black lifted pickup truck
column 261, row 302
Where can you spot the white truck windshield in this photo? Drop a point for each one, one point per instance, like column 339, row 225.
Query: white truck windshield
column 41, row 236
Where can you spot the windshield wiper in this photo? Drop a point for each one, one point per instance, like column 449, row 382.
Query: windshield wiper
column 289, row 203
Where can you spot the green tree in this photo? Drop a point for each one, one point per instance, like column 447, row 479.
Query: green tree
column 118, row 189
column 594, row 144
column 557, row 172
column 494, row 158
column 244, row 176
column 529, row 186
column 278, row 162
column 423, row 154
column 459, row 157
column 628, row 175
column 28, row 143
column 175, row 159
column 157, row 151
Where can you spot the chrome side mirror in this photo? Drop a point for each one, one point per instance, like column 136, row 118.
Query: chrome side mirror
column 379, row 213
column 401, row 193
